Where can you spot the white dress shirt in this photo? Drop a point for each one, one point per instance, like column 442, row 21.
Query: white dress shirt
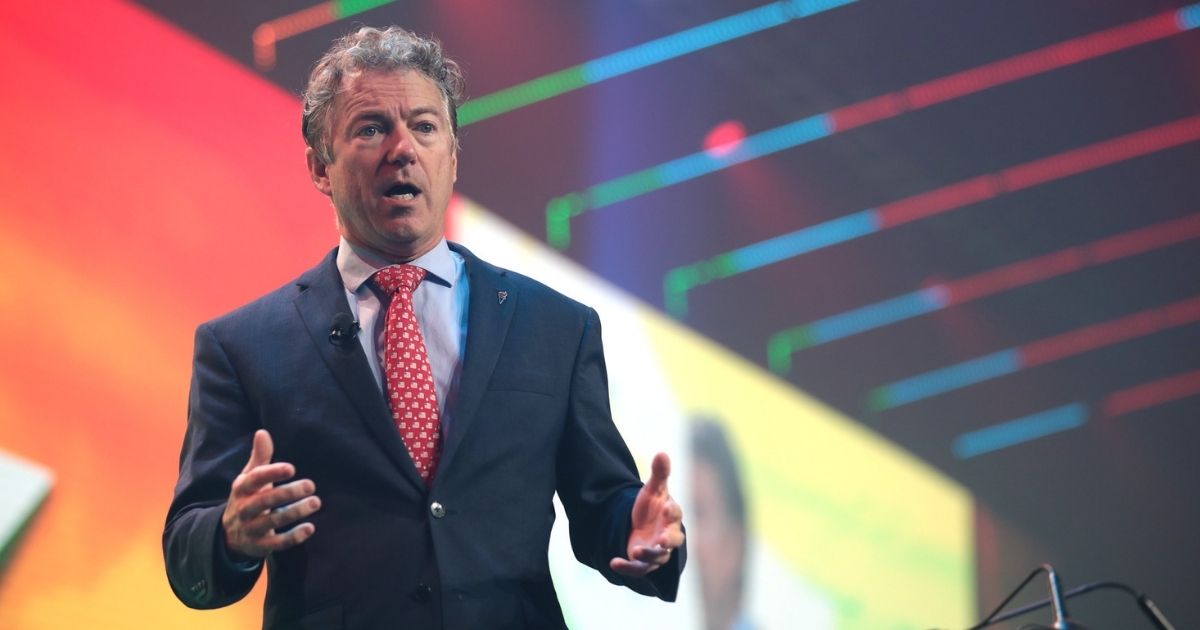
column 440, row 304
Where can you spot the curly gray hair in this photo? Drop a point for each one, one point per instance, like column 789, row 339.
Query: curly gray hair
column 369, row 48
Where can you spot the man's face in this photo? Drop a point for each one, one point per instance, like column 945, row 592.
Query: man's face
column 719, row 546
column 394, row 162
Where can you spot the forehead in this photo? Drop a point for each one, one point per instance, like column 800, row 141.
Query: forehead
column 388, row 90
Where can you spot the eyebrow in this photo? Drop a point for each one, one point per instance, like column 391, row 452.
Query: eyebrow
column 376, row 115
column 380, row 115
column 421, row 111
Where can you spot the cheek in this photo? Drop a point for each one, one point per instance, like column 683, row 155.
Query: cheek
column 356, row 187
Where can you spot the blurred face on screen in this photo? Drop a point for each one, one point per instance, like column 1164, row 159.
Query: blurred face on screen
column 394, row 162
column 718, row 546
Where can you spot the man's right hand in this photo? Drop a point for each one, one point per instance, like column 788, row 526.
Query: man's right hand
column 257, row 507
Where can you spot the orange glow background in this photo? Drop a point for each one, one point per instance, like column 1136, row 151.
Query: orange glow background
column 147, row 184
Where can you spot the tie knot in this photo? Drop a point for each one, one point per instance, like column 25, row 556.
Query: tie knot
column 398, row 277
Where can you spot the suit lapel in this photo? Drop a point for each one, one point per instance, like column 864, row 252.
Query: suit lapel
column 490, row 308
column 322, row 296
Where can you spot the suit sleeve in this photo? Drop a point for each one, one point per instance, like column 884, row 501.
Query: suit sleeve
column 220, row 431
column 598, row 479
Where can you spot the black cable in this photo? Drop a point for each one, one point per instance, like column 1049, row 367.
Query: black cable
column 1078, row 590
column 1148, row 608
column 990, row 619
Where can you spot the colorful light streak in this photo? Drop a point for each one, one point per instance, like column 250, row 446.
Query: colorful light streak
column 782, row 345
column 1012, row 360
column 1152, row 394
column 1020, row 430
column 1050, row 421
column 653, row 52
column 271, row 32
column 679, row 281
column 561, row 210
column 707, row 35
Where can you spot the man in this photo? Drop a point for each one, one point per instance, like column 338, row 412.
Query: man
column 401, row 476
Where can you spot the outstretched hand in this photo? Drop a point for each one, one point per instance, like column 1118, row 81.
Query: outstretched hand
column 257, row 507
column 657, row 525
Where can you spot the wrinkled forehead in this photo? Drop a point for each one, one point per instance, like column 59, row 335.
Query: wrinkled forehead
column 384, row 86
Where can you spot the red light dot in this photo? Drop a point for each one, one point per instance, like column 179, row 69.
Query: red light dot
column 724, row 138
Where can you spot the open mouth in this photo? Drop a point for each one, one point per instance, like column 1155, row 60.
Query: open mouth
column 403, row 192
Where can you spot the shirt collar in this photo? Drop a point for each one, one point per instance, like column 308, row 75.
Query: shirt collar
column 357, row 264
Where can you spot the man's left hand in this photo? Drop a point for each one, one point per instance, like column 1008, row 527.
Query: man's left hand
column 657, row 525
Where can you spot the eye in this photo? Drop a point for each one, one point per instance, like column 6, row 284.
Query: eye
column 425, row 127
column 370, row 131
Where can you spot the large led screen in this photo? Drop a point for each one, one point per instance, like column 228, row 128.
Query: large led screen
column 148, row 183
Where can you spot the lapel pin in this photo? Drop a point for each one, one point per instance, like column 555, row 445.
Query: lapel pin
column 501, row 296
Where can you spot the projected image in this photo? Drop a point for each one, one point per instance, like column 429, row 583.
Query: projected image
column 720, row 532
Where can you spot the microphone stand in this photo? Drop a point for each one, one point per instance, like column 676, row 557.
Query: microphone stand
column 1057, row 599
column 1061, row 620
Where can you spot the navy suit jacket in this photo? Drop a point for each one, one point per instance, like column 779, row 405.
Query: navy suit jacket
column 531, row 419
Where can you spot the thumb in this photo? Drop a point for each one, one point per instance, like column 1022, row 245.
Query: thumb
column 261, row 451
column 660, row 469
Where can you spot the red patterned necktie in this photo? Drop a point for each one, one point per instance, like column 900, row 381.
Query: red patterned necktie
column 410, row 392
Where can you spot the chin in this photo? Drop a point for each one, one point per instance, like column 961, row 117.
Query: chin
column 408, row 244
column 404, row 222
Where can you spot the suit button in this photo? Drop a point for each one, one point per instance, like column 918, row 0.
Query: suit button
column 437, row 509
column 422, row 593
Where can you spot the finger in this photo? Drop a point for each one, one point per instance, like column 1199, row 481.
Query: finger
column 660, row 469
column 283, row 516
column 650, row 555
column 275, row 497
column 260, row 525
column 671, row 512
column 261, row 450
column 631, row 568
column 672, row 539
column 290, row 538
column 252, row 481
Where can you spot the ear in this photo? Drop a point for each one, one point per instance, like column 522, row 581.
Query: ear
column 318, row 171
column 453, row 164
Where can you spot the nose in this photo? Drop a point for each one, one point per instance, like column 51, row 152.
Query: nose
column 402, row 152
